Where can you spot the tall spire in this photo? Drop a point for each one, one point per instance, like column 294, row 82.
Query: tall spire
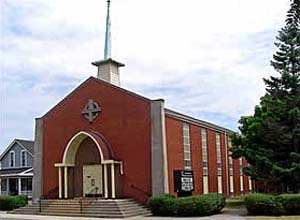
column 108, row 69
column 107, row 48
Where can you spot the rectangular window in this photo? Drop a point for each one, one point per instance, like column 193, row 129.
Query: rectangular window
column 241, row 166
column 230, row 166
column 12, row 159
column 4, row 185
column 241, row 175
column 219, row 158
column 187, row 146
column 23, row 158
column 204, row 160
column 204, row 151
column 26, row 184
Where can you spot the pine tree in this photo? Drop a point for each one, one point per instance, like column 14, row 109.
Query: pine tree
column 270, row 139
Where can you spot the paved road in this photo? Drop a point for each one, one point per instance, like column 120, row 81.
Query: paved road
column 231, row 214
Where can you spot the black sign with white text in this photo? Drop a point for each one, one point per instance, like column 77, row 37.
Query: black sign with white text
column 183, row 181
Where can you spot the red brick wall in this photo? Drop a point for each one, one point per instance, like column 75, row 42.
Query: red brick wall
column 175, row 157
column 236, row 177
column 245, row 178
column 224, row 165
column 123, row 116
column 196, row 151
column 212, row 161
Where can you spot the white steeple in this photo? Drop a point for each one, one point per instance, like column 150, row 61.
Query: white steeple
column 108, row 69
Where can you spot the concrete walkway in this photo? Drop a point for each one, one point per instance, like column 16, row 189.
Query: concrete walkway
column 228, row 214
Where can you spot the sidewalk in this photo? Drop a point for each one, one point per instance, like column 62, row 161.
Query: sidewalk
column 228, row 214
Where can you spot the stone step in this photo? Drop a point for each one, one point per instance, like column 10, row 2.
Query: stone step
column 89, row 208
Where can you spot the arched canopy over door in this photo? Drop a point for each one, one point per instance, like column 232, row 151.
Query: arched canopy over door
column 106, row 154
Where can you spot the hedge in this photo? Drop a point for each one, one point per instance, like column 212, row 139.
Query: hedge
column 163, row 205
column 12, row 202
column 201, row 205
column 263, row 204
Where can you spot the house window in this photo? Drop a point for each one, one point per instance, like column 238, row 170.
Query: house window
column 12, row 158
column 3, row 184
column 204, row 160
column 23, row 158
column 187, row 147
column 26, row 184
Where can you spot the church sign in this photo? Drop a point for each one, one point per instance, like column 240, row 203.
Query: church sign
column 183, row 181
column 91, row 110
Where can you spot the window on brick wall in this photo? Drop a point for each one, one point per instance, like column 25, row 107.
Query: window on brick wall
column 219, row 162
column 219, row 156
column 204, row 160
column 187, row 147
column 204, row 152
column 241, row 175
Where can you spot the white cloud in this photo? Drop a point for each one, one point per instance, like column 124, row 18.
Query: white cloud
column 201, row 56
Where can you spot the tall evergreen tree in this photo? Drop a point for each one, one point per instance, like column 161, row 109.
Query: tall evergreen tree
column 270, row 139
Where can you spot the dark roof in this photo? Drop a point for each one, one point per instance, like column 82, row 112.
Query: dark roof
column 196, row 121
column 13, row 171
column 27, row 144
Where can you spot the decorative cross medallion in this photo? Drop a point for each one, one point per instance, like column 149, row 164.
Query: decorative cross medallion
column 91, row 110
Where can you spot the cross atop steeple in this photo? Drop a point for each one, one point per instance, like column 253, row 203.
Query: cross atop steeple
column 107, row 47
column 108, row 69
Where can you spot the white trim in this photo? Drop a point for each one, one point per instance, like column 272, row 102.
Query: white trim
column 77, row 136
column 195, row 121
column 66, row 181
column 14, row 159
column 59, row 183
column 113, row 184
column 24, row 147
column 26, row 161
column 105, row 181
column 11, row 145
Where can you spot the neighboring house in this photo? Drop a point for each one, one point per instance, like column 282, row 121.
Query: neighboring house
column 16, row 170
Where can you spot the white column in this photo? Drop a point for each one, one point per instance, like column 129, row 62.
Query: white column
column 113, row 187
column 19, row 186
column 59, row 183
column 66, row 182
column 7, row 187
column 105, row 181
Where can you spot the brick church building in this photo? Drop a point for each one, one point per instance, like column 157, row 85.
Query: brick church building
column 102, row 140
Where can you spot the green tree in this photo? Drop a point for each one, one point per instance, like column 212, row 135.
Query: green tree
column 270, row 139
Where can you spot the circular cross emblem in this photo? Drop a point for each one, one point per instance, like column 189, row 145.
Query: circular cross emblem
column 91, row 110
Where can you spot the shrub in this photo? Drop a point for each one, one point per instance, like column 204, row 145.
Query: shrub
column 290, row 203
column 163, row 205
column 262, row 204
column 219, row 201
column 12, row 202
column 201, row 205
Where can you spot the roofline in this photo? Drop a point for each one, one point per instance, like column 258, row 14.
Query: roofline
column 99, row 81
column 12, row 144
column 123, row 90
column 195, row 121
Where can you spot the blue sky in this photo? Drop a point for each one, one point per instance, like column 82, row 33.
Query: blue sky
column 205, row 58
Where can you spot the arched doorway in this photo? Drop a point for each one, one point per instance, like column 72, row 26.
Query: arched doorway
column 88, row 168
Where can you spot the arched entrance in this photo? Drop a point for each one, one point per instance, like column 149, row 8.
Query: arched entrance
column 88, row 168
